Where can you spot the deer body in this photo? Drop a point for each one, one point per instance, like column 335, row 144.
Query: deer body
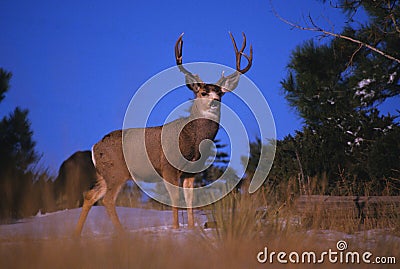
column 111, row 160
column 190, row 132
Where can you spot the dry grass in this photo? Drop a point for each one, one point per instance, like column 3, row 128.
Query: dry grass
column 243, row 230
column 141, row 251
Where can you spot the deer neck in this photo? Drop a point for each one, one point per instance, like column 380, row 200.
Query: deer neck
column 203, row 122
column 205, row 109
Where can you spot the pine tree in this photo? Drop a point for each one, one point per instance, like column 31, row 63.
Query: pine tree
column 337, row 88
column 4, row 82
column 17, row 155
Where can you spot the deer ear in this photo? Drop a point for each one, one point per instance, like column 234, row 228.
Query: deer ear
column 194, row 82
column 230, row 82
column 195, row 87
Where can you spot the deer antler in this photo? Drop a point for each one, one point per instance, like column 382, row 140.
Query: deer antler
column 240, row 53
column 178, row 57
column 230, row 82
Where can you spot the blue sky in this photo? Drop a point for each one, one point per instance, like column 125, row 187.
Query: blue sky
column 77, row 64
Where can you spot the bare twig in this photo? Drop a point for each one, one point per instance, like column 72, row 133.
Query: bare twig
column 392, row 16
column 354, row 54
column 316, row 28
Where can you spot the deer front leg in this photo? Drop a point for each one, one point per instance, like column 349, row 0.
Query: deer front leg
column 188, row 184
column 171, row 178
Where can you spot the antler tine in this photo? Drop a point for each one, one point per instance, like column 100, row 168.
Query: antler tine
column 249, row 59
column 178, row 50
column 240, row 53
column 236, row 51
column 233, row 42
column 244, row 43
column 178, row 55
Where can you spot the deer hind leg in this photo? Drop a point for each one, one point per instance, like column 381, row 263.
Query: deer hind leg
column 188, row 184
column 90, row 198
column 109, row 203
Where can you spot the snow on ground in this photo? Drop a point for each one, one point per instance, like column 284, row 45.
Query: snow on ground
column 98, row 224
column 152, row 223
column 369, row 239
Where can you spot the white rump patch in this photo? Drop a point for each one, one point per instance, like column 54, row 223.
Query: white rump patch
column 93, row 160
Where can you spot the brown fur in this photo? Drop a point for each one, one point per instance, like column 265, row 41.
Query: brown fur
column 77, row 174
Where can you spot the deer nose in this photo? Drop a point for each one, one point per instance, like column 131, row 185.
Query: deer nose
column 214, row 103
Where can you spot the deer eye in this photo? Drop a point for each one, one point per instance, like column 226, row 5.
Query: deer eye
column 204, row 94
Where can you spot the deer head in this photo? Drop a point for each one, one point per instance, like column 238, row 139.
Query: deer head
column 208, row 96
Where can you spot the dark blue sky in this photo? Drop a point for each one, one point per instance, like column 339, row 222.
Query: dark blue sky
column 76, row 64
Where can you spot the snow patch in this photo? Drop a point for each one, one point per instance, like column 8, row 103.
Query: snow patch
column 331, row 101
column 155, row 224
column 364, row 94
column 98, row 224
column 41, row 215
column 392, row 77
column 365, row 82
column 358, row 140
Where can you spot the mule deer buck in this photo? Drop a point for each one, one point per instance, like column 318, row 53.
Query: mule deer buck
column 202, row 124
